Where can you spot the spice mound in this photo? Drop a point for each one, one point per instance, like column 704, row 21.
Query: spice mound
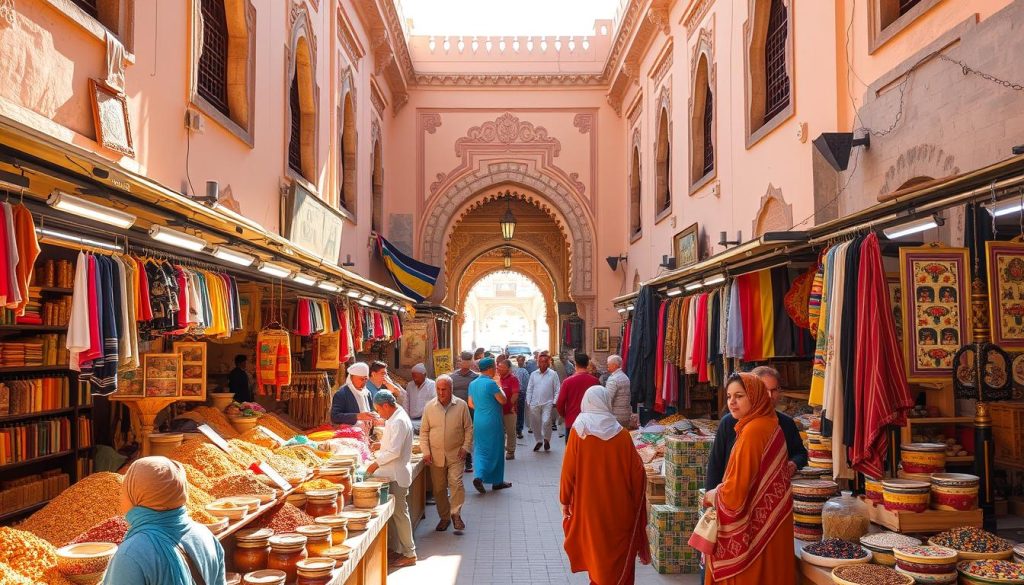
column 971, row 539
column 871, row 575
column 278, row 426
column 1001, row 571
column 240, row 484
column 26, row 558
column 282, row 518
column 888, row 540
column 834, row 548
column 206, row 458
column 76, row 509
column 316, row 484
column 110, row 530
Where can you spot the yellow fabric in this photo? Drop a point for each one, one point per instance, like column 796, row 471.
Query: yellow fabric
column 817, row 393
column 424, row 289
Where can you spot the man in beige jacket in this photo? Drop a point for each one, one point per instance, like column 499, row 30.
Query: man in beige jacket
column 446, row 436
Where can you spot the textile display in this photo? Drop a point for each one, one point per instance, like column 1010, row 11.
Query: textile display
column 273, row 361
column 414, row 278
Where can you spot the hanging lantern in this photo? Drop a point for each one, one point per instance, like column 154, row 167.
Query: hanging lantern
column 508, row 221
column 508, row 258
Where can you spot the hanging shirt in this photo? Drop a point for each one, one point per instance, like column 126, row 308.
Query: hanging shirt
column 79, row 337
column 28, row 251
column 14, row 297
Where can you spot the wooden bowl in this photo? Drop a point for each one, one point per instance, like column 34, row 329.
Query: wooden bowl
column 1001, row 555
column 85, row 563
column 837, row 575
column 251, row 503
column 218, row 526
column 830, row 563
column 227, row 510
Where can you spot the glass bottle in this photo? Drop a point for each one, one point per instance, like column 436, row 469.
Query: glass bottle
column 845, row 517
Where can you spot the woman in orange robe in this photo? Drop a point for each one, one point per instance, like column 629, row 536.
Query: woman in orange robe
column 753, row 502
column 604, row 503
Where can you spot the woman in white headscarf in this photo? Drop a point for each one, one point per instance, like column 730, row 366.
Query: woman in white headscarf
column 351, row 403
column 603, row 497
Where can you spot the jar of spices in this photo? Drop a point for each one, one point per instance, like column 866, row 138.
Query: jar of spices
column 322, row 502
column 252, row 550
column 845, row 518
column 286, row 550
column 315, row 571
column 265, row 577
column 318, row 538
column 338, row 526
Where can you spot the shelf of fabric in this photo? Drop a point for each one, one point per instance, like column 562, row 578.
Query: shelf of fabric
column 36, row 460
column 25, row 415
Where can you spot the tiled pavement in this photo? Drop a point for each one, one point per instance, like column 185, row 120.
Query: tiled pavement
column 512, row 536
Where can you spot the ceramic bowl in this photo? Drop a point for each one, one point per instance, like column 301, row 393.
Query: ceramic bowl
column 955, row 480
column 85, row 563
column 954, row 502
column 1002, row 555
column 251, row 503
column 929, row 578
column 815, row 487
column 906, row 486
column 243, row 423
column 829, row 562
column 990, row 572
column 905, row 502
column 227, row 510
column 218, row 526
column 890, row 574
column 339, row 553
column 923, row 448
column 923, row 461
column 807, row 519
column 808, row 508
column 925, row 555
column 926, row 568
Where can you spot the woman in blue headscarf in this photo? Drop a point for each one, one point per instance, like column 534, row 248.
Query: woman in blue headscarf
column 163, row 546
column 486, row 398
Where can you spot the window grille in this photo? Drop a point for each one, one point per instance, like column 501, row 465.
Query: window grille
column 776, row 78
column 709, row 145
column 213, row 63
column 906, row 5
column 295, row 141
column 89, row 6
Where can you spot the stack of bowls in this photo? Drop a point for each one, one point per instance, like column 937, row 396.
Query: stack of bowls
column 927, row 564
column 923, row 457
column 881, row 544
column 366, row 495
column 905, row 495
column 85, row 563
column 809, row 495
column 954, row 491
column 819, row 450
column 873, row 489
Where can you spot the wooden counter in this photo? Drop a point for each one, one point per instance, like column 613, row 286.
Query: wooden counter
column 368, row 564
column 807, row 573
column 417, row 497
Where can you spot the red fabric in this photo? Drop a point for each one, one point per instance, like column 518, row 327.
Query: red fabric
column 882, row 395
column 700, row 334
column 509, row 385
column 145, row 310
column 659, row 361
column 95, row 339
column 750, row 310
column 378, row 325
column 570, row 395
column 303, row 319
column 397, row 326
column 344, row 351
column 182, row 299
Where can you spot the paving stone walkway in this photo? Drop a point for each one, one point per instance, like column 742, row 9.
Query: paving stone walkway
column 512, row 536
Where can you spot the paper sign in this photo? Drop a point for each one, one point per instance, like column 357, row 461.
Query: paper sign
column 275, row 476
column 213, row 436
column 272, row 435
column 442, row 361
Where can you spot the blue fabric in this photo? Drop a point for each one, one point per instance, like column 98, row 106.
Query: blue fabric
column 488, row 431
column 148, row 555
column 372, row 388
column 344, row 407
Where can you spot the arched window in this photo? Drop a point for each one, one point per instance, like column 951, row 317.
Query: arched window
column 348, row 155
column 634, row 195
column 295, row 125
column 777, row 78
column 213, row 62
column 377, row 202
column 302, row 114
column 702, row 125
column 224, row 70
column 769, row 42
column 663, row 162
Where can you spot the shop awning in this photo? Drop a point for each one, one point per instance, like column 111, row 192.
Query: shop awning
column 55, row 164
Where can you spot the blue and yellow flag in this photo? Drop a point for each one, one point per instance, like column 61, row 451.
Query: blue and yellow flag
column 413, row 278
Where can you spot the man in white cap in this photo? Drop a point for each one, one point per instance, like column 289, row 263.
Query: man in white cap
column 351, row 403
column 419, row 391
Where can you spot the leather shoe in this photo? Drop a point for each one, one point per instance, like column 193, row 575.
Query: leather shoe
column 537, row 446
column 403, row 561
column 458, row 523
column 501, row 486
column 442, row 525
column 547, row 446
column 479, row 485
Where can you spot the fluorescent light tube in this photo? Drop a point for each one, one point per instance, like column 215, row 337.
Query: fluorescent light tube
column 57, row 235
column 622, row 309
column 276, row 270
column 630, row 308
column 233, row 256
column 381, row 301
column 366, row 298
column 176, row 238
column 714, row 279
column 328, row 286
column 1005, row 207
column 694, row 285
column 676, row 291
column 303, row 279
column 920, row 225
column 353, row 293
column 62, row 201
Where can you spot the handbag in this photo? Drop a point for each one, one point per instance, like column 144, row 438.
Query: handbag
column 705, row 533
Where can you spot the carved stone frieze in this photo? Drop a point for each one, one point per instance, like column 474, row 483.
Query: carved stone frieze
column 583, row 122
column 696, row 13
column 507, row 129
column 431, row 122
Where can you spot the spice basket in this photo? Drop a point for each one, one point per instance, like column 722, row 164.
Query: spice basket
column 928, row 521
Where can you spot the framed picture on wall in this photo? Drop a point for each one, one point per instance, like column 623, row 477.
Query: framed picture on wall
column 934, row 280
column 602, row 337
column 110, row 113
column 1006, row 293
column 161, row 375
column 193, row 369
column 686, row 247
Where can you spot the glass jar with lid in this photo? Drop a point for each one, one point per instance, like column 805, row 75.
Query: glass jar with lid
column 315, row 571
column 338, row 526
column 265, row 577
column 318, row 538
column 286, row 550
column 845, row 517
column 252, row 550
column 322, row 502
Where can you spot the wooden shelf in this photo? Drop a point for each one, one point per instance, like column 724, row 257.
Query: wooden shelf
column 34, row 369
column 929, row 521
column 40, row 414
column 38, row 328
column 37, row 459
column 940, row 420
column 6, row 516
column 963, row 459
column 55, row 290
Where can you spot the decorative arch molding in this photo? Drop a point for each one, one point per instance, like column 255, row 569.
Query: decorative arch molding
column 922, row 160
column 302, row 62
column 703, row 76
column 539, row 251
column 348, row 141
column 513, row 138
column 441, row 211
column 773, row 214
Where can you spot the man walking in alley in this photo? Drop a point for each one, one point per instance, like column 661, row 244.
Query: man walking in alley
column 461, row 378
column 486, row 399
column 446, row 438
column 510, row 386
column 523, row 375
column 570, row 396
column 419, row 391
column 394, row 462
column 541, row 393
column 618, row 387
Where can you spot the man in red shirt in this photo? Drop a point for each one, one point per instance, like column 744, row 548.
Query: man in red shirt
column 510, row 386
column 570, row 394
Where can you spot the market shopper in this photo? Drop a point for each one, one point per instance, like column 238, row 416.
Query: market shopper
column 510, row 387
column 618, row 387
column 419, row 391
column 394, row 462
column 380, row 380
column 162, row 546
column 541, row 393
column 446, row 438
column 461, row 379
column 486, row 400
column 725, row 436
column 523, row 375
column 754, row 499
column 238, row 380
column 603, row 495
column 351, row 403
column 570, row 394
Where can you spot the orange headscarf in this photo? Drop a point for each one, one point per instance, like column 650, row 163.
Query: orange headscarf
column 760, row 401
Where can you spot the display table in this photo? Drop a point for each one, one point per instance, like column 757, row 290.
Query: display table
column 368, row 563
column 417, row 497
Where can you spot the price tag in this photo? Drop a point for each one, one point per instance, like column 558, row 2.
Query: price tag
column 213, row 436
column 275, row 476
column 271, row 434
